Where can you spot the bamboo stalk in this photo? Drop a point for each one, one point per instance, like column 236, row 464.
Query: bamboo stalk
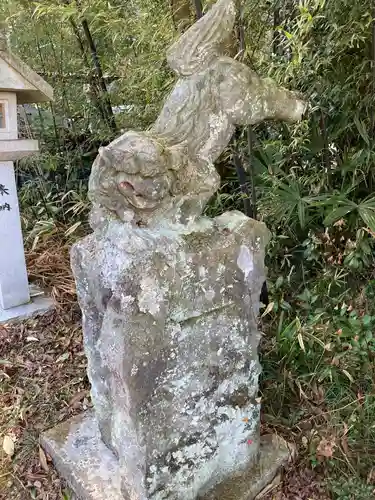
column 103, row 87
column 198, row 8
column 250, row 207
column 276, row 22
column 52, row 109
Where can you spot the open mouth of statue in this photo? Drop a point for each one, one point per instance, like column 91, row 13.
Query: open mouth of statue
column 126, row 185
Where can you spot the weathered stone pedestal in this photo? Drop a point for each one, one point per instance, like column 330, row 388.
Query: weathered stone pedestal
column 171, row 339
column 93, row 473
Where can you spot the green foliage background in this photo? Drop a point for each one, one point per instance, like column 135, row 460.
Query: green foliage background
column 314, row 184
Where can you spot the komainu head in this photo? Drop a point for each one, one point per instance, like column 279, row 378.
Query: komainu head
column 139, row 177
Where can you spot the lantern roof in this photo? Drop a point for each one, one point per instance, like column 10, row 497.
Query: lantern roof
column 18, row 77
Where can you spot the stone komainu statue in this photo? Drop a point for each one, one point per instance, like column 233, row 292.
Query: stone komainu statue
column 168, row 171
column 170, row 298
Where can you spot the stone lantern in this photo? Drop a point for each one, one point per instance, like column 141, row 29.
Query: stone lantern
column 18, row 85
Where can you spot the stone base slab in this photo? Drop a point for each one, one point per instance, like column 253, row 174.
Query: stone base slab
column 39, row 304
column 275, row 453
column 92, row 470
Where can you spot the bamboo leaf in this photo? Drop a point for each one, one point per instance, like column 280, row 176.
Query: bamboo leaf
column 368, row 217
column 361, row 129
column 339, row 213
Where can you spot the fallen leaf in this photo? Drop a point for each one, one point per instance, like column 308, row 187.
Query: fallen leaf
column 3, row 333
column 63, row 357
column 8, row 445
column 77, row 398
column 34, row 477
column 348, row 375
column 339, row 223
column 43, row 459
column 325, row 448
column 269, row 308
column 5, row 362
column 302, row 392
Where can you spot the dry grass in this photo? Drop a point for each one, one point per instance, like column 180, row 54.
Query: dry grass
column 42, row 379
column 49, row 265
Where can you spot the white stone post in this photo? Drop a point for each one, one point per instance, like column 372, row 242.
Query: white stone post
column 14, row 287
